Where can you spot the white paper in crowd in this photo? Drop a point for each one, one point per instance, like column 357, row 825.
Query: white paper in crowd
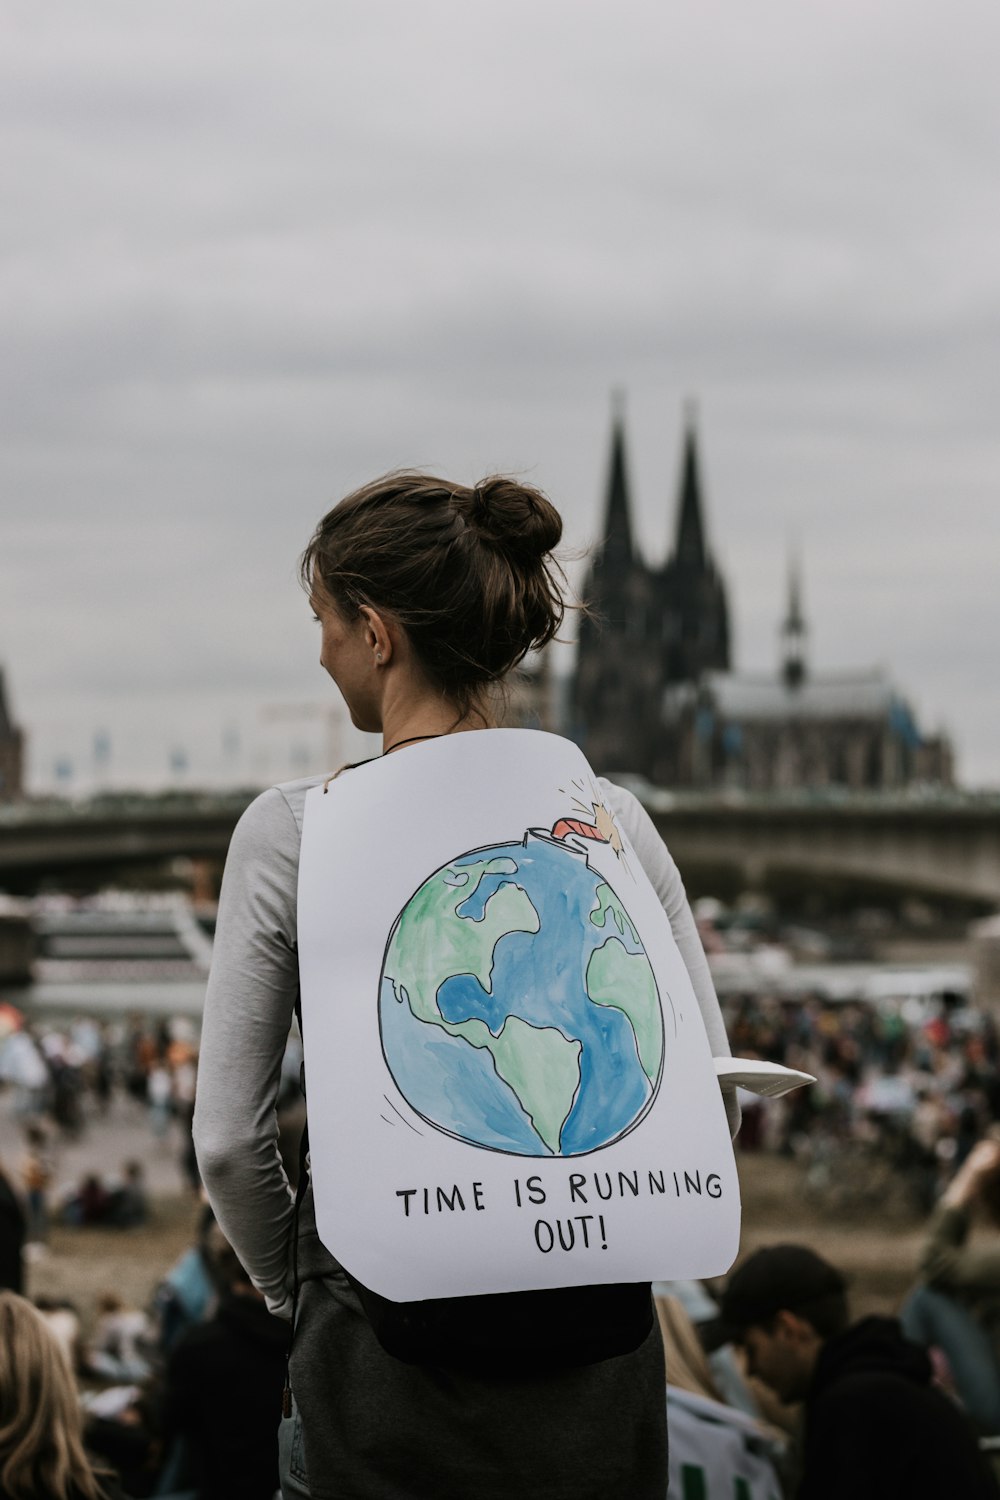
column 508, row 1077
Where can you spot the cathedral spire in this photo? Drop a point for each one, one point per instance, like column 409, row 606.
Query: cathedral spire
column 793, row 629
column 619, row 547
column 695, row 628
column 689, row 549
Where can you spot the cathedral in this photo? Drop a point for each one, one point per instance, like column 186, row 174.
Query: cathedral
column 655, row 694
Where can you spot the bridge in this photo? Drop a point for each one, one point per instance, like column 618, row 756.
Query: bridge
column 941, row 846
column 45, row 842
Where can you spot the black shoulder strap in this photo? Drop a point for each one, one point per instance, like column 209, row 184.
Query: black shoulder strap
column 300, row 1192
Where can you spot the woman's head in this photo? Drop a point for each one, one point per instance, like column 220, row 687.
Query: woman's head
column 465, row 572
column 41, row 1448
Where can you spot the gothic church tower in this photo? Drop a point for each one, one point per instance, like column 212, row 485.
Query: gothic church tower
column 615, row 671
column 690, row 591
column 647, row 628
column 794, row 631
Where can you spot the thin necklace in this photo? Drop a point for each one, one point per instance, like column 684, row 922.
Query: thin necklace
column 355, row 764
column 411, row 741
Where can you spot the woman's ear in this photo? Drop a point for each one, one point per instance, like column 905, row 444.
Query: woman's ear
column 377, row 636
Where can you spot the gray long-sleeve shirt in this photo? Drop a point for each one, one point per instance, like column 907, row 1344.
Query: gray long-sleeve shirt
column 251, row 1000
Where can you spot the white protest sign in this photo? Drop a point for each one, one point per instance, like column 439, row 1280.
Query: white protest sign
column 508, row 1078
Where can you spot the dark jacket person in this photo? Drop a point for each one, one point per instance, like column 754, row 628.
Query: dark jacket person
column 12, row 1231
column 874, row 1426
column 223, row 1397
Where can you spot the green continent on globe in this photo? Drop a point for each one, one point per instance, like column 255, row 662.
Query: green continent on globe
column 432, row 942
column 625, row 981
column 608, row 904
column 543, row 1068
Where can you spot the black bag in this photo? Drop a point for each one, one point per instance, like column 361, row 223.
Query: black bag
column 505, row 1333
column 513, row 1333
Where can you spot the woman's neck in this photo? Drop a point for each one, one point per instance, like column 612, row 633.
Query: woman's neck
column 429, row 720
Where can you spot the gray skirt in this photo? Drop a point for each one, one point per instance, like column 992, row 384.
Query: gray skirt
column 369, row 1427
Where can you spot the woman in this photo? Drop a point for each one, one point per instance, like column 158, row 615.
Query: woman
column 427, row 595
column 41, row 1422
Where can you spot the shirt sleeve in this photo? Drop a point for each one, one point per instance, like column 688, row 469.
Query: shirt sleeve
column 249, row 1007
column 665, row 878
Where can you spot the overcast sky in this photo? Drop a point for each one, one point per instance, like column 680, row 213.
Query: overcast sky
column 254, row 254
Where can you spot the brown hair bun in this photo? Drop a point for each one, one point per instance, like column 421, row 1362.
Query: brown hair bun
column 515, row 517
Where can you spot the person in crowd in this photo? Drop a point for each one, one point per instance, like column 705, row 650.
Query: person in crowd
column 118, row 1348
column 184, row 1074
column 22, row 1064
column 120, row 1201
column 64, row 1063
column 715, row 1448
column 956, row 1309
column 427, row 594
column 13, row 1228
column 128, row 1201
column 875, row 1426
column 102, row 1079
column 141, row 1058
column 160, row 1093
column 62, row 1318
column 87, row 1204
column 42, row 1456
column 188, row 1292
column 36, row 1174
column 223, row 1387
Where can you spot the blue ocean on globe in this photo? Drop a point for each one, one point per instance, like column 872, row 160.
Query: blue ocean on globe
column 518, row 1009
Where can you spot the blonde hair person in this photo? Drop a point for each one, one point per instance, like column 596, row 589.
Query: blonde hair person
column 687, row 1363
column 715, row 1448
column 41, row 1423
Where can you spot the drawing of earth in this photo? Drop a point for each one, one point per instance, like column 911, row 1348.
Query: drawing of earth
column 518, row 1008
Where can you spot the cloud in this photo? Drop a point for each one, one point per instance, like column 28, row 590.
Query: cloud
column 252, row 257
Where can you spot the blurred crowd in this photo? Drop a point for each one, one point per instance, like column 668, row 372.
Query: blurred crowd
column 179, row 1398
column 61, row 1070
column 913, row 1093
column 58, row 1077
column 176, row 1398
